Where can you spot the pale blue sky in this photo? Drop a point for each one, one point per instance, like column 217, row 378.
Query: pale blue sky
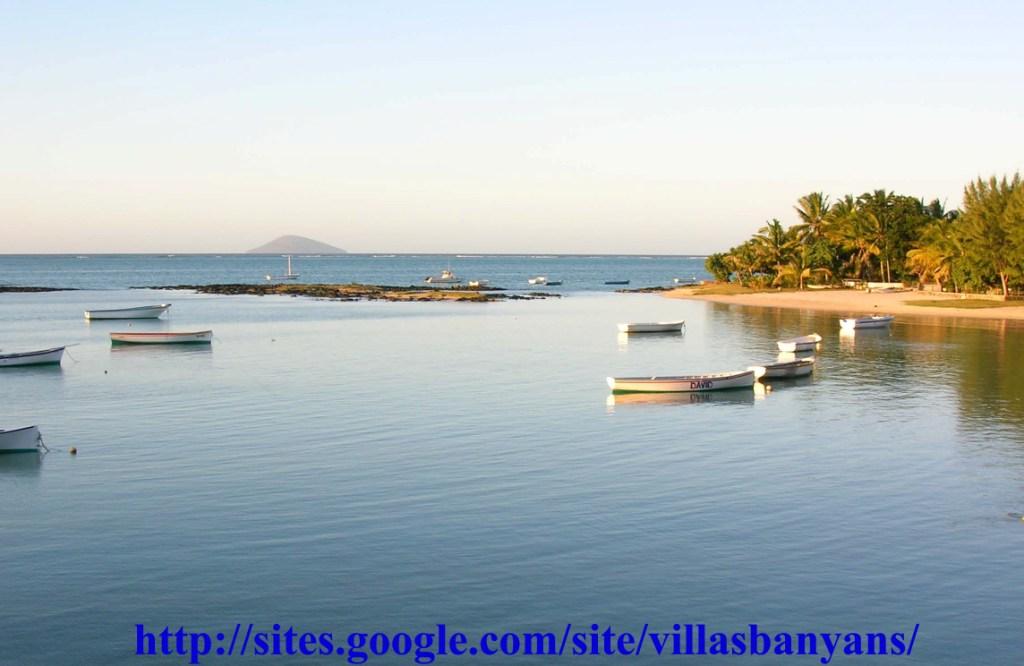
column 631, row 127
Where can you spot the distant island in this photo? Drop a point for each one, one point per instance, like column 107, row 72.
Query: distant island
column 296, row 245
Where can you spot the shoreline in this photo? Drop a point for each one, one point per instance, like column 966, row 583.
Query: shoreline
column 856, row 303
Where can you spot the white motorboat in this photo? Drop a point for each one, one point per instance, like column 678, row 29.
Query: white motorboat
column 686, row 383
column 479, row 284
column 874, row 321
column 163, row 337
column 141, row 312
column 446, row 277
column 540, row 279
column 652, row 327
column 803, row 343
column 21, row 440
column 800, row 367
column 41, row 357
column 290, row 275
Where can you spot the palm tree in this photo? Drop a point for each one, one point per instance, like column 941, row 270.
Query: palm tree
column 848, row 230
column 800, row 267
column 878, row 224
column 935, row 254
column 813, row 211
column 774, row 244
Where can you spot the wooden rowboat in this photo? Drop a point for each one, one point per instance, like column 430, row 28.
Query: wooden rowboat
column 800, row 367
column 21, row 440
column 874, row 321
column 652, row 327
column 163, row 337
column 141, row 312
column 41, row 357
column 804, row 343
column 686, row 383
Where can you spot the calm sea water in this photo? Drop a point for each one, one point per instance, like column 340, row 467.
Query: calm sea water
column 389, row 466
column 113, row 271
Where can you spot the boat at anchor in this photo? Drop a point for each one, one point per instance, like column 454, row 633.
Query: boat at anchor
column 685, row 383
column 162, row 337
column 41, row 357
column 140, row 312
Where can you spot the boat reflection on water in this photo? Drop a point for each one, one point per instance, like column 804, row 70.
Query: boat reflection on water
column 848, row 337
column 789, row 357
column 161, row 351
column 626, row 339
column 16, row 465
column 783, row 383
column 734, row 397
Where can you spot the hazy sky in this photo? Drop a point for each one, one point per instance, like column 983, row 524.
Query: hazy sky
column 646, row 127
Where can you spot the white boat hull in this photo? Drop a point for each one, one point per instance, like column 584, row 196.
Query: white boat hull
column 21, row 440
column 42, row 357
column 877, row 321
column 143, row 312
column 652, row 327
column 805, row 343
column 538, row 280
column 783, row 369
column 686, row 383
column 163, row 338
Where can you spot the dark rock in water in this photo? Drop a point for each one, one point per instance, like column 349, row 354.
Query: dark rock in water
column 643, row 290
column 29, row 290
column 354, row 292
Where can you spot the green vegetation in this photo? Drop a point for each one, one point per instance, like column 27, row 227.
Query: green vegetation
column 886, row 237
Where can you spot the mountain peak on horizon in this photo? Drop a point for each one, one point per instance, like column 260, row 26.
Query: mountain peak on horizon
column 295, row 245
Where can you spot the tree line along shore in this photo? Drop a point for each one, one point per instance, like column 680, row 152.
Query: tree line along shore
column 887, row 237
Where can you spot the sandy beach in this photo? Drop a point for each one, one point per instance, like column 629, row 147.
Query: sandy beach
column 853, row 303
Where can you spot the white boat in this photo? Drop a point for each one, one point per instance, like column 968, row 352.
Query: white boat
column 446, row 277
column 874, row 321
column 803, row 343
column 652, row 327
column 540, row 279
column 290, row 275
column 163, row 337
column 800, row 367
column 21, row 440
column 41, row 357
column 686, row 383
column 479, row 283
column 141, row 312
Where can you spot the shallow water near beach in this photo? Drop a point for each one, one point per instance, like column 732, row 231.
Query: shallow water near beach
column 389, row 466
